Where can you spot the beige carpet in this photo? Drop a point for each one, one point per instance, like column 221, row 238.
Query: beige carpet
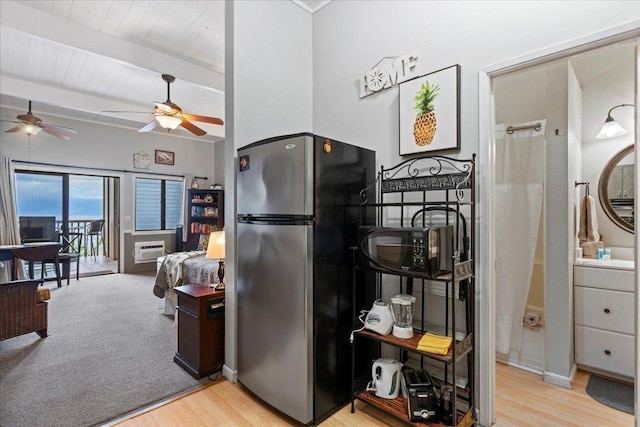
column 109, row 352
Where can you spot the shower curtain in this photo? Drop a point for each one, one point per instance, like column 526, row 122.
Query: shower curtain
column 518, row 205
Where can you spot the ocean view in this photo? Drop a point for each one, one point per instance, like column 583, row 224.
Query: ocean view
column 41, row 195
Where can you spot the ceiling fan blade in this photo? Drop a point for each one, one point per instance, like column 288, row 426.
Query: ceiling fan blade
column 12, row 130
column 204, row 119
column 192, row 128
column 10, row 121
column 57, row 134
column 150, row 126
column 131, row 112
column 58, row 128
column 163, row 107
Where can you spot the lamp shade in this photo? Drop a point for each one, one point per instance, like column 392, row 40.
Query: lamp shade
column 610, row 129
column 31, row 129
column 215, row 249
column 168, row 122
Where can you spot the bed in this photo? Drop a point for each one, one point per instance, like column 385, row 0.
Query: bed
column 182, row 268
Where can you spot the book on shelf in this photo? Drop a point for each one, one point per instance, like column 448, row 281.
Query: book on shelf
column 204, row 211
column 209, row 211
column 199, row 228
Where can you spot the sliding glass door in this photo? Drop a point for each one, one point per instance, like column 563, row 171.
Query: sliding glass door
column 79, row 210
column 41, row 206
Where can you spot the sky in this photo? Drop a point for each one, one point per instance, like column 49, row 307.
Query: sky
column 41, row 195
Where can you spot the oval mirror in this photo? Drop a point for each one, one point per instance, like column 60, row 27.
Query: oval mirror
column 615, row 189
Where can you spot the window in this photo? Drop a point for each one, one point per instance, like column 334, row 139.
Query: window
column 158, row 204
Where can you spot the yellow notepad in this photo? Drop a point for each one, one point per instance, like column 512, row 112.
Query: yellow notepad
column 432, row 343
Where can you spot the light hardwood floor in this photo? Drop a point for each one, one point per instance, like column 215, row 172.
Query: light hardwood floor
column 522, row 399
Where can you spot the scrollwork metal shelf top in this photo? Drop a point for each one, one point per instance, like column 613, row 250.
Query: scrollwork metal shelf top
column 427, row 173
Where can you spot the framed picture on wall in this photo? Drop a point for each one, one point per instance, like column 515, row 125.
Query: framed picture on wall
column 430, row 112
column 141, row 160
column 164, row 157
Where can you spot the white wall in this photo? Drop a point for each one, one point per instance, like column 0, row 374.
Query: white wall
column 219, row 163
column 269, row 79
column 349, row 38
column 107, row 147
column 599, row 95
column 521, row 97
column 273, row 71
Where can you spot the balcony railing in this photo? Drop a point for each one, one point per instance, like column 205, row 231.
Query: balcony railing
column 82, row 226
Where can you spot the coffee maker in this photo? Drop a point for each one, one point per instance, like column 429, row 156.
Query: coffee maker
column 402, row 306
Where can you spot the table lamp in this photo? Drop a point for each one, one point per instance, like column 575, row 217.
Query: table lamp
column 215, row 250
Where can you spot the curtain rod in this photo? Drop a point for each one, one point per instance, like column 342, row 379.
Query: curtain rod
column 102, row 169
column 512, row 129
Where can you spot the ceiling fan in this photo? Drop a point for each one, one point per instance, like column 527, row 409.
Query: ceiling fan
column 170, row 116
column 31, row 125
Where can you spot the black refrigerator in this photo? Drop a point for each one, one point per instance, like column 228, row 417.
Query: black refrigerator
column 298, row 199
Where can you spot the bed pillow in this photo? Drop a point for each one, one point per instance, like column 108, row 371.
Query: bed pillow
column 203, row 242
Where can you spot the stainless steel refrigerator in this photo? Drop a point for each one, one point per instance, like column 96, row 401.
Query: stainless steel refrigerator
column 298, row 210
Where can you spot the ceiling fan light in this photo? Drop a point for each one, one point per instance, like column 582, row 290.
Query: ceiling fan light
column 168, row 122
column 611, row 129
column 31, row 129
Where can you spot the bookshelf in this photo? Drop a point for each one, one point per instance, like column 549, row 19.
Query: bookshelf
column 206, row 214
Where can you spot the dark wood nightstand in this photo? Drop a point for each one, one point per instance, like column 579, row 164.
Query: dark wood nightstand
column 200, row 313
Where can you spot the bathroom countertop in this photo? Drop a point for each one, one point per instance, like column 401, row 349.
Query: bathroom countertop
column 618, row 264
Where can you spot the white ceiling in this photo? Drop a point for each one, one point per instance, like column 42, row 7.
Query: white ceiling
column 80, row 59
column 77, row 59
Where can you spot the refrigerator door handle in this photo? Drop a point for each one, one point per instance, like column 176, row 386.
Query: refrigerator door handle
column 275, row 220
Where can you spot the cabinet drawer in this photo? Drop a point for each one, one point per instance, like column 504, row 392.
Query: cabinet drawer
column 609, row 351
column 604, row 278
column 604, row 309
column 188, row 304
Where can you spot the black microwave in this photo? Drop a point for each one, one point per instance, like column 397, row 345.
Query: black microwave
column 425, row 252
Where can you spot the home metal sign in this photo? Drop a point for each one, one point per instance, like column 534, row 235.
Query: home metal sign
column 390, row 71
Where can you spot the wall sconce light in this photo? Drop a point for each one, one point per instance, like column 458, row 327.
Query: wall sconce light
column 168, row 122
column 215, row 250
column 611, row 128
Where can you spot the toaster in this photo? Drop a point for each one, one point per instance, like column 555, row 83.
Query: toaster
column 420, row 395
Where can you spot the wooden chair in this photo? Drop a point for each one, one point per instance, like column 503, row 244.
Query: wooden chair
column 40, row 253
column 70, row 252
column 23, row 309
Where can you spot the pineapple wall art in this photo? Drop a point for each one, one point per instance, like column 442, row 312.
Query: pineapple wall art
column 424, row 128
column 429, row 112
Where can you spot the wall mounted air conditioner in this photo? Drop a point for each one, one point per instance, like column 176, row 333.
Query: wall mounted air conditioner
column 148, row 251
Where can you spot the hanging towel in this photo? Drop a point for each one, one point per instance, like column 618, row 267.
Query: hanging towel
column 590, row 249
column 588, row 231
column 432, row 343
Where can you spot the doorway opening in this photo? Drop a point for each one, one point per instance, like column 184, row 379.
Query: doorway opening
column 80, row 211
column 567, row 163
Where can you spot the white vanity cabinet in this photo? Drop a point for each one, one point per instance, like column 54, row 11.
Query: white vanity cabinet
column 604, row 311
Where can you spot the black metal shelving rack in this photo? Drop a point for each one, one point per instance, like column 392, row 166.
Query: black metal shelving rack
column 414, row 186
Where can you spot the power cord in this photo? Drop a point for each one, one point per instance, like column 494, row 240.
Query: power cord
column 363, row 313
